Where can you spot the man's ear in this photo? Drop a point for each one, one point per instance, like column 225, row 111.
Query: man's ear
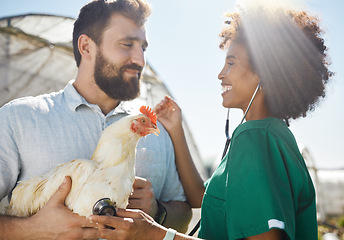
column 86, row 47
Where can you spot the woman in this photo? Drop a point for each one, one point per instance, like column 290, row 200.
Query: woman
column 261, row 189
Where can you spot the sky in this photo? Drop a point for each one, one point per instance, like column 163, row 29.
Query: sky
column 183, row 49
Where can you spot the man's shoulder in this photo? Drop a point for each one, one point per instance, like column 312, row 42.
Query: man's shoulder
column 34, row 102
column 31, row 109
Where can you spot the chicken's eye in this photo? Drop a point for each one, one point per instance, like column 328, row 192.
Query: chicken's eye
column 143, row 120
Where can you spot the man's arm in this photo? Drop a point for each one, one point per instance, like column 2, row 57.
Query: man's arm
column 53, row 221
column 178, row 213
column 178, row 216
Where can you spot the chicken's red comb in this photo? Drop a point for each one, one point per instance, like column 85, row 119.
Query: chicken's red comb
column 149, row 113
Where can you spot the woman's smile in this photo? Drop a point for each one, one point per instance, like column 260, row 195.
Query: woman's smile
column 225, row 88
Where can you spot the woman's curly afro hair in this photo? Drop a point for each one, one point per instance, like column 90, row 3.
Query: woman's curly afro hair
column 288, row 53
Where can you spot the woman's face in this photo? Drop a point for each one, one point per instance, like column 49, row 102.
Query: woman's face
column 238, row 81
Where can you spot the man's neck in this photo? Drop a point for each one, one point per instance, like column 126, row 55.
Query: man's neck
column 94, row 95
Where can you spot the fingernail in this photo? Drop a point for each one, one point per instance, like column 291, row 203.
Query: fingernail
column 64, row 180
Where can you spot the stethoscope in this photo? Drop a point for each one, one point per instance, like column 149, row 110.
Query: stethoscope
column 105, row 207
column 228, row 140
column 241, row 122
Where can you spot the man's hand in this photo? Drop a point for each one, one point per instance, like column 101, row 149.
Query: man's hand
column 143, row 197
column 53, row 221
column 178, row 213
column 66, row 225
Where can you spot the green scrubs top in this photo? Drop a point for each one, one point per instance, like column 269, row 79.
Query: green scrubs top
column 262, row 183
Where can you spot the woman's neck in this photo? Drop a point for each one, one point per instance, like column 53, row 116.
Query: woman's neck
column 258, row 109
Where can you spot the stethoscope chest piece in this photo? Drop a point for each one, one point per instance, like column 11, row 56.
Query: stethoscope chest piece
column 104, row 206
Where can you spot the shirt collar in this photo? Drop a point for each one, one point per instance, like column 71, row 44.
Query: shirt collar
column 74, row 100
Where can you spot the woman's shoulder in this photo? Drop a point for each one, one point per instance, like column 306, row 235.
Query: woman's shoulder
column 266, row 131
column 264, row 125
column 274, row 128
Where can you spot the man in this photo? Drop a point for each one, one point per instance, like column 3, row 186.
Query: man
column 37, row 133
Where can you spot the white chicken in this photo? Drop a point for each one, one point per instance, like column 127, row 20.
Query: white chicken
column 109, row 173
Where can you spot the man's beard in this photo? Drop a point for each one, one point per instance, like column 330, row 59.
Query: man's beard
column 111, row 81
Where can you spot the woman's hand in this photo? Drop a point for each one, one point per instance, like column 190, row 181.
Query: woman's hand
column 169, row 114
column 129, row 224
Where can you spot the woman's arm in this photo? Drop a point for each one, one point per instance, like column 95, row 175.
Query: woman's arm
column 169, row 114
column 136, row 224
column 132, row 224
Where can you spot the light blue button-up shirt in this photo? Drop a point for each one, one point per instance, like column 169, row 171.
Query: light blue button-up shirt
column 38, row 133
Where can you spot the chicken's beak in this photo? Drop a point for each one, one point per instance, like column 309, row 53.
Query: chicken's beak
column 155, row 130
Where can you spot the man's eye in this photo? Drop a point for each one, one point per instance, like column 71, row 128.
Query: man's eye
column 128, row 44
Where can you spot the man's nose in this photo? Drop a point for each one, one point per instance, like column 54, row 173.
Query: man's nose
column 138, row 57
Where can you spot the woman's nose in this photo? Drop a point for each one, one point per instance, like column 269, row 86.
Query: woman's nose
column 221, row 74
